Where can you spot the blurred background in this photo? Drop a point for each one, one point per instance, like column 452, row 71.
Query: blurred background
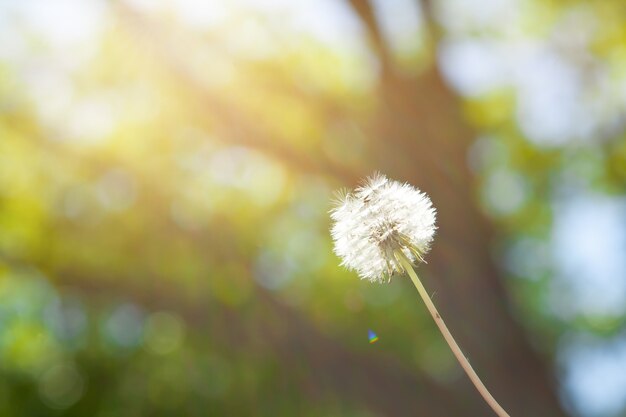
column 166, row 169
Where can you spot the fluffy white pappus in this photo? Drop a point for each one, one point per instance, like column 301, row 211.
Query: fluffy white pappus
column 380, row 221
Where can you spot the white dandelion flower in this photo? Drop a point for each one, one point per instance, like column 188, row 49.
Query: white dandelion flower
column 384, row 227
column 378, row 219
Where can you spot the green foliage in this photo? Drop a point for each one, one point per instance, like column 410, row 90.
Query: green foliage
column 164, row 191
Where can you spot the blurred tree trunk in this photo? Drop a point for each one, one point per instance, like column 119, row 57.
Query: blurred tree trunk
column 423, row 139
column 427, row 147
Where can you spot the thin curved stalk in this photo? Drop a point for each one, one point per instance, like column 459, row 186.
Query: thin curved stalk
column 448, row 336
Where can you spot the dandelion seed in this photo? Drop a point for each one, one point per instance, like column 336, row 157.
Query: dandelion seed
column 378, row 219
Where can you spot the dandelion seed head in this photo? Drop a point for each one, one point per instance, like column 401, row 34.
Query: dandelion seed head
column 378, row 219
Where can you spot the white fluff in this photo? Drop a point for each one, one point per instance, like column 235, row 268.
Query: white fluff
column 378, row 219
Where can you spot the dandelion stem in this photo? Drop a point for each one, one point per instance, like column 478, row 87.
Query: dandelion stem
column 448, row 336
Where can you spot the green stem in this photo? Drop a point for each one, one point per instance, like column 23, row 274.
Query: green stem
column 448, row 336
